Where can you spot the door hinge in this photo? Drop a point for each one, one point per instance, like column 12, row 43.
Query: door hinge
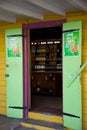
column 7, row 65
column 16, row 35
column 71, row 115
column 18, row 107
column 6, row 75
column 70, row 30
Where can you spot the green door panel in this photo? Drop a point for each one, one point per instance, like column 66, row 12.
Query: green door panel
column 14, row 72
column 72, row 100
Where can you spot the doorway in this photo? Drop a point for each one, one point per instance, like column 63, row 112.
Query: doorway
column 46, row 70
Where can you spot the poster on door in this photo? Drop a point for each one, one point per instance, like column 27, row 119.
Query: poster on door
column 13, row 48
column 71, row 43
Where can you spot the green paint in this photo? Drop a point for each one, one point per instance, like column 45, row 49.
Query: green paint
column 71, row 43
column 77, row 74
column 13, row 47
column 15, row 70
column 72, row 100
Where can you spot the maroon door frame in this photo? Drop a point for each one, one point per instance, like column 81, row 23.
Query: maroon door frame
column 26, row 28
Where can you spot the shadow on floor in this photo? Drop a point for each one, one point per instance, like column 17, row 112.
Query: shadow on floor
column 47, row 104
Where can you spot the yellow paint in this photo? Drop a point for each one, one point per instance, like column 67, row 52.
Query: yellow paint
column 3, row 90
column 3, row 84
column 84, row 81
column 49, row 118
column 53, row 17
column 3, row 110
column 85, row 125
column 37, row 127
column 2, row 66
column 80, row 15
column 2, row 71
column 2, row 98
column 3, row 103
column 67, row 129
column 84, row 96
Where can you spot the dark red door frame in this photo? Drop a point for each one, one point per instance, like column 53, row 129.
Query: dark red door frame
column 26, row 28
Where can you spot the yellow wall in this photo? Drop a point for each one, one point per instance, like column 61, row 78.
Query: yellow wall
column 69, row 17
column 2, row 74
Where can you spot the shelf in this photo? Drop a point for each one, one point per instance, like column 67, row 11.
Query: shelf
column 46, row 67
column 46, row 55
column 41, row 71
column 47, row 52
column 45, row 60
column 43, row 81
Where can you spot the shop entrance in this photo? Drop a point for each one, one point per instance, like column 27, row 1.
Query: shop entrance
column 46, row 70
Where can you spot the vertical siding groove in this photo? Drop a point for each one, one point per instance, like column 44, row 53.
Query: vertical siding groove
column 74, row 16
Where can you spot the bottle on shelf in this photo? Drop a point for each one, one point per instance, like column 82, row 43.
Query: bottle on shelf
column 47, row 55
column 38, row 87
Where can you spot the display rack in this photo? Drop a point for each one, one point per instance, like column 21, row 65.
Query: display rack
column 46, row 55
column 46, row 58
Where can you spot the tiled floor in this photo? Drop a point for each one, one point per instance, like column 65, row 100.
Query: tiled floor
column 47, row 104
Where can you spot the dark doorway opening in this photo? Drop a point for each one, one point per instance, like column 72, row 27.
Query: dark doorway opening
column 46, row 64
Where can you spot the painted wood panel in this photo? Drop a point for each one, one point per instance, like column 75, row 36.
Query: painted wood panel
column 2, row 71
column 83, row 60
column 4, row 25
column 2, row 83
column 84, row 73
column 82, row 16
column 2, row 60
column 85, row 117
column 85, row 52
column 3, row 97
column 3, row 110
column 2, row 76
column 84, row 125
column 84, row 96
column 3, row 90
column 84, row 109
column 3, row 104
column 84, row 104
column 70, row 17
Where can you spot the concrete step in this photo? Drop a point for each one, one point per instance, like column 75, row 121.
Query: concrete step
column 43, row 121
column 23, row 128
column 45, row 117
column 41, row 125
column 30, row 124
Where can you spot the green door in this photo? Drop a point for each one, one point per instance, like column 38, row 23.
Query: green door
column 72, row 103
column 14, row 72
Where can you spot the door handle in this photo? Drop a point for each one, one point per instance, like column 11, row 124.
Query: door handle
column 7, row 65
column 6, row 75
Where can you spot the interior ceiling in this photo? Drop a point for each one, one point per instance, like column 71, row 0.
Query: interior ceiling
column 46, row 33
column 10, row 10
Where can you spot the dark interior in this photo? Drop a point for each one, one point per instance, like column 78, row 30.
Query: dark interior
column 46, row 33
column 44, row 100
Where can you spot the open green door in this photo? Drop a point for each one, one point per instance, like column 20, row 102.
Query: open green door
column 72, row 103
column 14, row 73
